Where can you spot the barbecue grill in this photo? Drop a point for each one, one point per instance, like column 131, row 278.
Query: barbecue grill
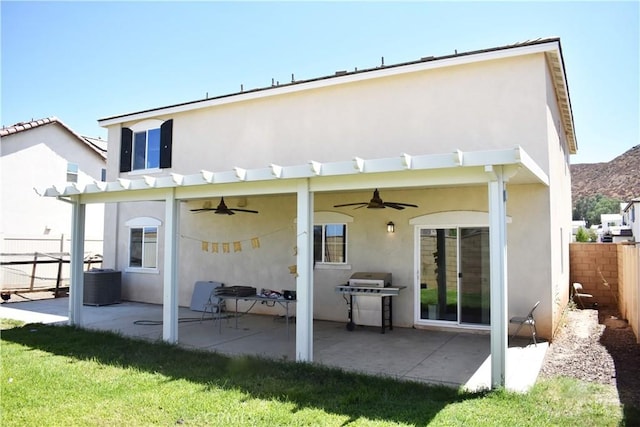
column 368, row 297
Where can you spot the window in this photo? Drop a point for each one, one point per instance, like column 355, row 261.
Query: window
column 143, row 247
column 146, row 149
column 143, row 243
column 330, row 243
column 72, row 172
column 146, row 145
column 103, row 175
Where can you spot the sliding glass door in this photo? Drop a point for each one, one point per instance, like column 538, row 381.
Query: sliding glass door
column 454, row 275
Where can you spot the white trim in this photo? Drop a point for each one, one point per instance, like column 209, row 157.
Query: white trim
column 435, row 169
column 332, row 266
column 143, row 221
column 142, row 270
column 146, row 125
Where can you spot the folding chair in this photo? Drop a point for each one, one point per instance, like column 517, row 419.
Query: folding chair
column 578, row 293
column 216, row 306
column 526, row 320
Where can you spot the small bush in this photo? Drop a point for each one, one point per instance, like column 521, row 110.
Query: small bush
column 582, row 235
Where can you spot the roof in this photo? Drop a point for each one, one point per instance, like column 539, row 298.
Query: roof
column 97, row 145
column 631, row 203
column 549, row 46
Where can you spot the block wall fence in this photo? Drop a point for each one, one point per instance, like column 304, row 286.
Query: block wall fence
column 611, row 273
column 593, row 265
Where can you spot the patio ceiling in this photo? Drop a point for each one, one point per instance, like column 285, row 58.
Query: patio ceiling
column 431, row 170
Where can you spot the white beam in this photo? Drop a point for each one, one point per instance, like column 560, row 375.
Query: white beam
column 453, row 168
column 304, row 281
column 76, row 287
column 170, row 287
column 498, row 276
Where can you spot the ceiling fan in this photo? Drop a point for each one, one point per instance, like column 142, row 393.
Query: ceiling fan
column 221, row 209
column 377, row 203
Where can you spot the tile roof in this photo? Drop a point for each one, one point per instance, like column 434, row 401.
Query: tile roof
column 96, row 144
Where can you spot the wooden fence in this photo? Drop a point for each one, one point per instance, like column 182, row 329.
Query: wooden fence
column 35, row 264
column 629, row 285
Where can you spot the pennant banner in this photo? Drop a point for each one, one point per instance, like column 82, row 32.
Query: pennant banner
column 214, row 247
column 255, row 243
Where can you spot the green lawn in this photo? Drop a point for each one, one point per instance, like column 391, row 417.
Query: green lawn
column 54, row 375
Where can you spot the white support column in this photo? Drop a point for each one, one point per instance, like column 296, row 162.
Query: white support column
column 170, row 294
column 76, row 287
column 498, row 260
column 304, row 281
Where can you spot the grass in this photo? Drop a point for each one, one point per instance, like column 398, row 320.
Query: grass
column 60, row 375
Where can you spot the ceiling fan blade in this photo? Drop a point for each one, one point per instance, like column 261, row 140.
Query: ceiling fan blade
column 393, row 206
column 408, row 205
column 351, row 204
column 202, row 210
column 243, row 210
column 224, row 212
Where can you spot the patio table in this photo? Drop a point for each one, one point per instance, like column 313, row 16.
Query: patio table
column 283, row 302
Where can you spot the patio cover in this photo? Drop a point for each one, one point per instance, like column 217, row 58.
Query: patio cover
column 494, row 168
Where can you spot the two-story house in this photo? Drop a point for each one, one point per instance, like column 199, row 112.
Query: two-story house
column 33, row 155
column 464, row 157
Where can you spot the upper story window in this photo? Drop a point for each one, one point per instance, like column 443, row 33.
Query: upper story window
column 72, row 172
column 146, row 149
column 146, row 145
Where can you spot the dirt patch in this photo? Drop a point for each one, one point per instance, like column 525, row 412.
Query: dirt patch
column 597, row 345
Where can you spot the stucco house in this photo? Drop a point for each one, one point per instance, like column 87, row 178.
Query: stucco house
column 41, row 153
column 631, row 217
column 479, row 142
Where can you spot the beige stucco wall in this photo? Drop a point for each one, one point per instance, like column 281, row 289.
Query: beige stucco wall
column 490, row 105
column 560, row 208
column 37, row 158
column 483, row 106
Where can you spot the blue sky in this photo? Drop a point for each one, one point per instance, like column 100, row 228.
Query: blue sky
column 82, row 61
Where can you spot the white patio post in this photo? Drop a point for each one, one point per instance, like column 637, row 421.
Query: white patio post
column 498, row 286
column 76, row 287
column 170, row 287
column 304, row 281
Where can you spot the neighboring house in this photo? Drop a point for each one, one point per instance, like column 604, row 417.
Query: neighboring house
column 613, row 228
column 37, row 154
column 478, row 141
column 631, row 218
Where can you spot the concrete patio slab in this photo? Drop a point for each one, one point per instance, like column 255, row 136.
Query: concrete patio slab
column 458, row 359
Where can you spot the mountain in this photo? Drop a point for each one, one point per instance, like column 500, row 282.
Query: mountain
column 617, row 179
